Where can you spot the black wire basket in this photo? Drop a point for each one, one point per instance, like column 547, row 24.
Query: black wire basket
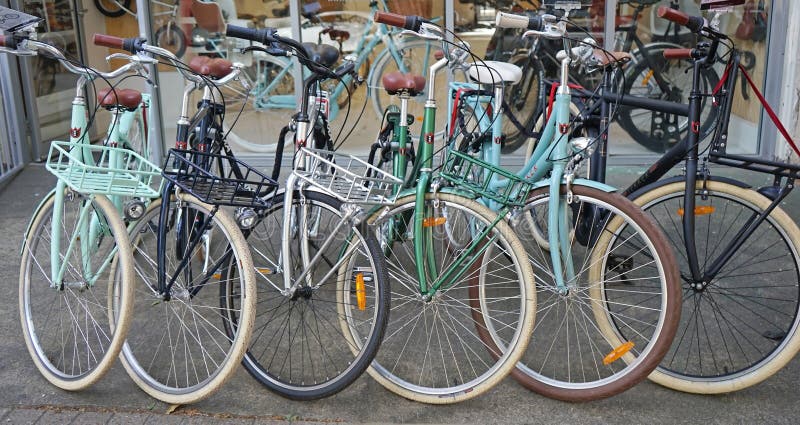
column 217, row 179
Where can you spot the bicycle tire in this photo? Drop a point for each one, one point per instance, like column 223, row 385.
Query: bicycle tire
column 164, row 372
column 86, row 305
column 171, row 38
column 298, row 349
column 637, row 121
column 562, row 363
column 418, row 56
column 406, row 374
column 113, row 11
column 749, row 352
column 523, row 100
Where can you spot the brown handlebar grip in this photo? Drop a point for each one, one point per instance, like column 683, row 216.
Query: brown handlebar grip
column 108, row 41
column 4, row 41
column 392, row 19
column 673, row 15
column 677, row 53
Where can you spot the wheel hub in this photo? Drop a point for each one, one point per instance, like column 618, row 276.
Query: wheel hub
column 304, row 291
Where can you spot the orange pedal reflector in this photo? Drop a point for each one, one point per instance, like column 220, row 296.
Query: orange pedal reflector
column 433, row 221
column 618, row 352
column 217, row 275
column 361, row 293
column 647, row 77
column 699, row 210
column 264, row 270
column 420, row 119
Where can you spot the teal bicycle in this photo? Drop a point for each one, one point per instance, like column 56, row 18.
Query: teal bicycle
column 76, row 274
column 596, row 257
column 273, row 97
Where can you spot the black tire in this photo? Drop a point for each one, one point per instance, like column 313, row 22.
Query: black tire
column 172, row 38
column 276, row 360
column 648, row 128
column 524, row 100
column 111, row 8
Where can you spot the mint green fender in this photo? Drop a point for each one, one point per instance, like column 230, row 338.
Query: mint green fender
column 579, row 182
column 30, row 222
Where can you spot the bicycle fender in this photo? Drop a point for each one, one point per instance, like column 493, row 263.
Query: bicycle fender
column 578, row 182
column 675, row 179
column 30, row 222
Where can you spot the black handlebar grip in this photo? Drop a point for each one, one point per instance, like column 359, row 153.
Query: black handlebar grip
column 258, row 35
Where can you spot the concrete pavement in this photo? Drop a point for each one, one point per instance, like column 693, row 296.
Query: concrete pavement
column 25, row 397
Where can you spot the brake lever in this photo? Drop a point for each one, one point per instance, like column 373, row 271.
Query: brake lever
column 273, row 51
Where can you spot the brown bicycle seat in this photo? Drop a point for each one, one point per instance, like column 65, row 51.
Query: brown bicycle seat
column 338, row 35
column 211, row 67
column 208, row 16
column 396, row 82
column 127, row 98
column 604, row 59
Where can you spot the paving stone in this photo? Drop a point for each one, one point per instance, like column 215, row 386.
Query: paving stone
column 3, row 412
column 55, row 417
column 130, row 418
column 22, row 416
column 93, row 418
column 165, row 420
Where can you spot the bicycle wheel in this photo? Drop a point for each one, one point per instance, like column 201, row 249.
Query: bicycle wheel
column 625, row 278
column 417, row 57
column 269, row 108
column 298, row 348
column 654, row 130
column 172, row 38
column 178, row 348
column 523, row 100
column 68, row 325
column 112, row 8
column 742, row 326
column 433, row 351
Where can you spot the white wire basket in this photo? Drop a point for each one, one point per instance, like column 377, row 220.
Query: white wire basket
column 348, row 178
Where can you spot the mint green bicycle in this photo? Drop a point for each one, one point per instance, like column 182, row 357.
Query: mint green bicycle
column 76, row 273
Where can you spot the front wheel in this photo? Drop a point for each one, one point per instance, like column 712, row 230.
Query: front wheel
column 740, row 327
column 433, row 351
column 302, row 348
column 177, row 349
column 74, row 327
column 613, row 320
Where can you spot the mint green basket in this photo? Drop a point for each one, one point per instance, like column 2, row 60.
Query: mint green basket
column 135, row 177
column 467, row 172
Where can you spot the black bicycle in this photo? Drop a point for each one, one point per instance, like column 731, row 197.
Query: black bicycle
column 739, row 251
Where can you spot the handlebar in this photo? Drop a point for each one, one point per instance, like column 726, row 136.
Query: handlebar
column 411, row 23
column 510, row 20
column 694, row 23
column 678, row 54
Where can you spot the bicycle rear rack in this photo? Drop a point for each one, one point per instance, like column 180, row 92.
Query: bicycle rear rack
column 467, row 172
column 341, row 176
column 775, row 168
column 87, row 169
column 183, row 169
